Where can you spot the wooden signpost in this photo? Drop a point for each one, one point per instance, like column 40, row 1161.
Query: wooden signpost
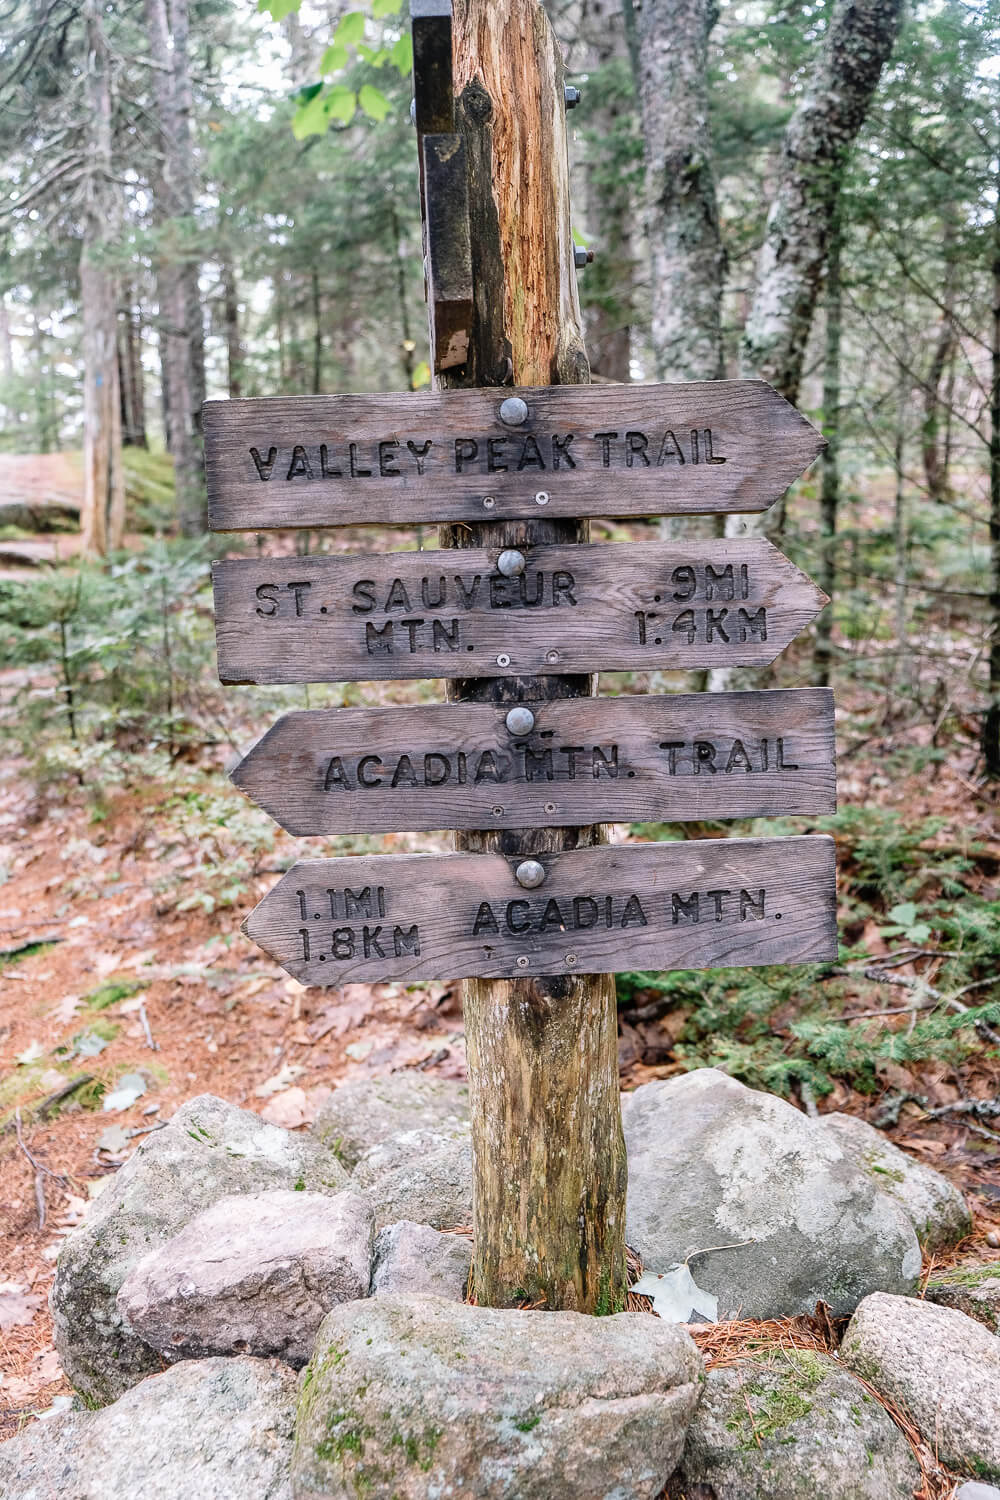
column 473, row 455
column 518, row 611
column 469, row 765
column 456, row 614
column 696, row 905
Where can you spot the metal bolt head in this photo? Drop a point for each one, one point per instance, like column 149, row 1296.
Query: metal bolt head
column 530, row 874
column 503, row 660
column 510, row 563
column 542, row 498
column 513, row 411
column 522, row 962
column 489, row 501
column 571, row 959
column 582, row 257
column 552, row 657
column 520, row 720
column 572, row 96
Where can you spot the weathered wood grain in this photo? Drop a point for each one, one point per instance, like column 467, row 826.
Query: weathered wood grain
column 451, row 613
column 728, row 445
column 454, row 765
column 449, row 256
column 693, row 905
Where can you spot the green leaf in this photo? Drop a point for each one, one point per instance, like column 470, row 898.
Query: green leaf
column 309, row 92
column 278, row 9
column 905, row 913
column 365, row 52
column 373, row 102
column 333, row 59
column 351, row 28
column 578, row 238
column 311, row 118
column 421, row 376
column 382, row 8
column 342, row 103
column 401, row 55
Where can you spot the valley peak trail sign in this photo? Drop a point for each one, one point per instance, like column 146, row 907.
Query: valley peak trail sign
column 535, row 910
column 474, row 455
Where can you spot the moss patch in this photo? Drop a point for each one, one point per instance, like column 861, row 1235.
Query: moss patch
column 779, row 1400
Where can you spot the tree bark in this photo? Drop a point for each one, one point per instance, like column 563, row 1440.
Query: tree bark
column 935, row 459
column 180, row 328
column 548, row 1151
column 829, row 499
column 859, row 40
column 235, row 352
column 102, row 518
column 131, row 378
column 682, row 219
column 991, row 721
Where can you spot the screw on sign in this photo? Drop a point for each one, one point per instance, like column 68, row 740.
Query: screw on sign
column 535, row 911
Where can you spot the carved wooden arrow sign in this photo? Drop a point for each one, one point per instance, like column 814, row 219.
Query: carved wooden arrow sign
column 570, row 761
column 630, row 450
column 575, row 608
column 689, row 905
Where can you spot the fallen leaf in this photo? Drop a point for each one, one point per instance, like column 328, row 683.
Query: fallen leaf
column 279, row 1081
column 289, row 1109
column 59, row 1404
column 677, row 1297
column 17, row 1306
column 89, row 1044
column 130, row 1087
column 114, row 1139
column 31, row 1054
column 49, row 1368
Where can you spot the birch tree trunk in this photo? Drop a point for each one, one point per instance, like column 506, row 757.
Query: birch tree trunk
column 682, row 219
column 102, row 518
column 548, row 1150
column 829, row 500
column 858, row 42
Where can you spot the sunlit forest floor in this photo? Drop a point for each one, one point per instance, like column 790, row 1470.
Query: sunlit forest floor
column 127, row 863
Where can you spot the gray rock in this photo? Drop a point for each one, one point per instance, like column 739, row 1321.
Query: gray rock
column 255, row 1274
column 793, row 1426
column 217, row 1429
column 423, row 1175
column 973, row 1290
column 415, row 1258
column 713, row 1163
column 935, row 1208
column 941, row 1367
column 365, row 1111
column 417, row 1397
column 973, row 1490
column 207, row 1151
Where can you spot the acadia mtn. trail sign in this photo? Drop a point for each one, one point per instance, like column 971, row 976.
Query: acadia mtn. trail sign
column 475, row 455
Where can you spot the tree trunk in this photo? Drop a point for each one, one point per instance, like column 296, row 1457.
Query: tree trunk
column 991, row 722
column 595, row 46
column 548, row 1151
column 180, row 326
column 858, row 42
column 682, row 220
column 829, row 499
column 102, row 518
column 130, row 375
column 317, row 322
column 900, row 677
column 231, row 315
column 936, row 460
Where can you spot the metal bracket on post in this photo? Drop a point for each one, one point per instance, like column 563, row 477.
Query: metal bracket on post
column 444, row 188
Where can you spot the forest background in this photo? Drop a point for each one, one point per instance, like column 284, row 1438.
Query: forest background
column 200, row 199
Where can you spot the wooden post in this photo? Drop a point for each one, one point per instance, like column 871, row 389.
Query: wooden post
column 548, row 1149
